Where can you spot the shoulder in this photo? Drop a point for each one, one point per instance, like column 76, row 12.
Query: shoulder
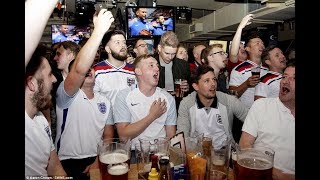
column 243, row 66
column 189, row 100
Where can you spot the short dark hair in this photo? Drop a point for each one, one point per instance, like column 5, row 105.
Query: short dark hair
column 252, row 35
column 106, row 38
column 35, row 61
column 201, row 70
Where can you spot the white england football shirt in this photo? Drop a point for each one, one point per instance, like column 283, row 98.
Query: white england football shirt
column 132, row 106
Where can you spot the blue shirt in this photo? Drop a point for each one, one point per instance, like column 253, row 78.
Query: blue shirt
column 169, row 24
column 159, row 29
column 137, row 25
column 60, row 38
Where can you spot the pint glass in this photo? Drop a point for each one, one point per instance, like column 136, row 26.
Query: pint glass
column 254, row 163
column 114, row 158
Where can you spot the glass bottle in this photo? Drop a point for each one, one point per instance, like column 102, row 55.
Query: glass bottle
column 164, row 169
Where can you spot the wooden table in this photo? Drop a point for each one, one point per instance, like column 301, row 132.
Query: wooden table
column 133, row 173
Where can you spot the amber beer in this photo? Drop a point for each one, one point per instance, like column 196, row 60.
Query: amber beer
column 234, row 164
column 114, row 166
column 253, row 169
column 177, row 88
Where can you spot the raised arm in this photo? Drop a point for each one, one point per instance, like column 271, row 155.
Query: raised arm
column 37, row 13
column 85, row 57
column 234, row 49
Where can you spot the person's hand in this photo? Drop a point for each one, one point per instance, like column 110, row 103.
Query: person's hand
column 130, row 60
column 94, row 165
column 157, row 108
column 246, row 21
column 252, row 81
column 103, row 20
column 184, row 86
column 144, row 32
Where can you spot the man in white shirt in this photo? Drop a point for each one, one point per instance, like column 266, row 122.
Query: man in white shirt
column 146, row 111
column 271, row 122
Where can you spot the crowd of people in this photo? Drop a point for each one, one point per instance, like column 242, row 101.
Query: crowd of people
column 98, row 99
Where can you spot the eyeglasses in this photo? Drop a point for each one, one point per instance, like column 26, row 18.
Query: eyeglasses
column 219, row 52
column 142, row 45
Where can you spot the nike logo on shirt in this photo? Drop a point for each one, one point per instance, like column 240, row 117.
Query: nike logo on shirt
column 133, row 104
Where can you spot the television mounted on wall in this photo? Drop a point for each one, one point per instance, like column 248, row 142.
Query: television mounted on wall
column 66, row 32
column 143, row 21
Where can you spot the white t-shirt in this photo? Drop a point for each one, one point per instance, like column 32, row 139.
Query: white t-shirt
column 240, row 74
column 269, row 85
column 38, row 145
column 110, row 79
column 132, row 106
column 80, row 125
column 210, row 124
column 273, row 125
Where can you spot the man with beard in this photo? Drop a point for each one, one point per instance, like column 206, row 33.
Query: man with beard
column 209, row 111
column 271, row 122
column 40, row 155
column 146, row 111
column 85, row 114
column 114, row 74
column 139, row 25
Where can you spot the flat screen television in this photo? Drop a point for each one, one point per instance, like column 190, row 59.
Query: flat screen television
column 155, row 21
column 64, row 32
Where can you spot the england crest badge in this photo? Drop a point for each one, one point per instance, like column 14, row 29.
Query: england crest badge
column 102, row 107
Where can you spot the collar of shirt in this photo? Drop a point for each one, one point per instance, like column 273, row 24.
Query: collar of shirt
column 213, row 105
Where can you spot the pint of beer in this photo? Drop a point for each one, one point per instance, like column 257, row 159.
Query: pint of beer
column 254, row 163
column 114, row 159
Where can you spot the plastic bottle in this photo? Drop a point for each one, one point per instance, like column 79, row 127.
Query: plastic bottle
column 153, row 174
column 164, row 169
column 154, row 162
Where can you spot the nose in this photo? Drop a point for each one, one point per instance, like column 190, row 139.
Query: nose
column 54, row 79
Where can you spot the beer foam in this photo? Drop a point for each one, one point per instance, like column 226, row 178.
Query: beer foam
column 255, row 163
column 113, row 158
column 218, row 162
column 118, row 169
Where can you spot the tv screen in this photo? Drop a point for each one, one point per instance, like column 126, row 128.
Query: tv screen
column 144, row 21
column 64, row 32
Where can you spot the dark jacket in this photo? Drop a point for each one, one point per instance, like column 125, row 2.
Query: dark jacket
column 180, row 70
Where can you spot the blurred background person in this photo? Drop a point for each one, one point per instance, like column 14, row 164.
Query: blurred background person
column 182, row 53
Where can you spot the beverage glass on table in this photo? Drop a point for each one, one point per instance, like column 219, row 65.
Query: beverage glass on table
column 114, row 158
column 254, row 163
column 220, row 157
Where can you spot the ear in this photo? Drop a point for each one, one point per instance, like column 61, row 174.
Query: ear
column 195, row 86
column 138, row 71
column 202, row 60
column 159, row 47
column 31, row 84
column 267, row 62
column 107, row 48
column 247, row 48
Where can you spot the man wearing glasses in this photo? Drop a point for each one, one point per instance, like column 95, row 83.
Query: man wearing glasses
column 215, row 57
column 140, row 48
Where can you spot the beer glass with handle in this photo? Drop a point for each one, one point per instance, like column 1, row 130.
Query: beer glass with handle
column 114, row 158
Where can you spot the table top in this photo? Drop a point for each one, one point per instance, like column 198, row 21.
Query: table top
column 133, row 173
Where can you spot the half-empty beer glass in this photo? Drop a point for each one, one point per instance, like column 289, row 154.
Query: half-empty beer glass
column 255, row 163
column 114, row 158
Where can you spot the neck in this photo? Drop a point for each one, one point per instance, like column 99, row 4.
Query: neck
column 291, row 106
column 115, row 62
column 205, row 101
column 29, row 107
column 88, row 90
column 216, row 71
column 146, row 90
column 256, row 60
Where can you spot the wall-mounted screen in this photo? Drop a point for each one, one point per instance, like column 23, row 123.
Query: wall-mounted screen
column 64, row 32
column 149, row 21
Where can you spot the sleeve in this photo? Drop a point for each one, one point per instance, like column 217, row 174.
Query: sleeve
column 120, row 109
column 63, row 100
column 240, row 110
column 183, row 122
column 172, row 112
column 110, row 120
column 251, row 123
column 235, row 78
column 261, row 90
column 96, row 87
